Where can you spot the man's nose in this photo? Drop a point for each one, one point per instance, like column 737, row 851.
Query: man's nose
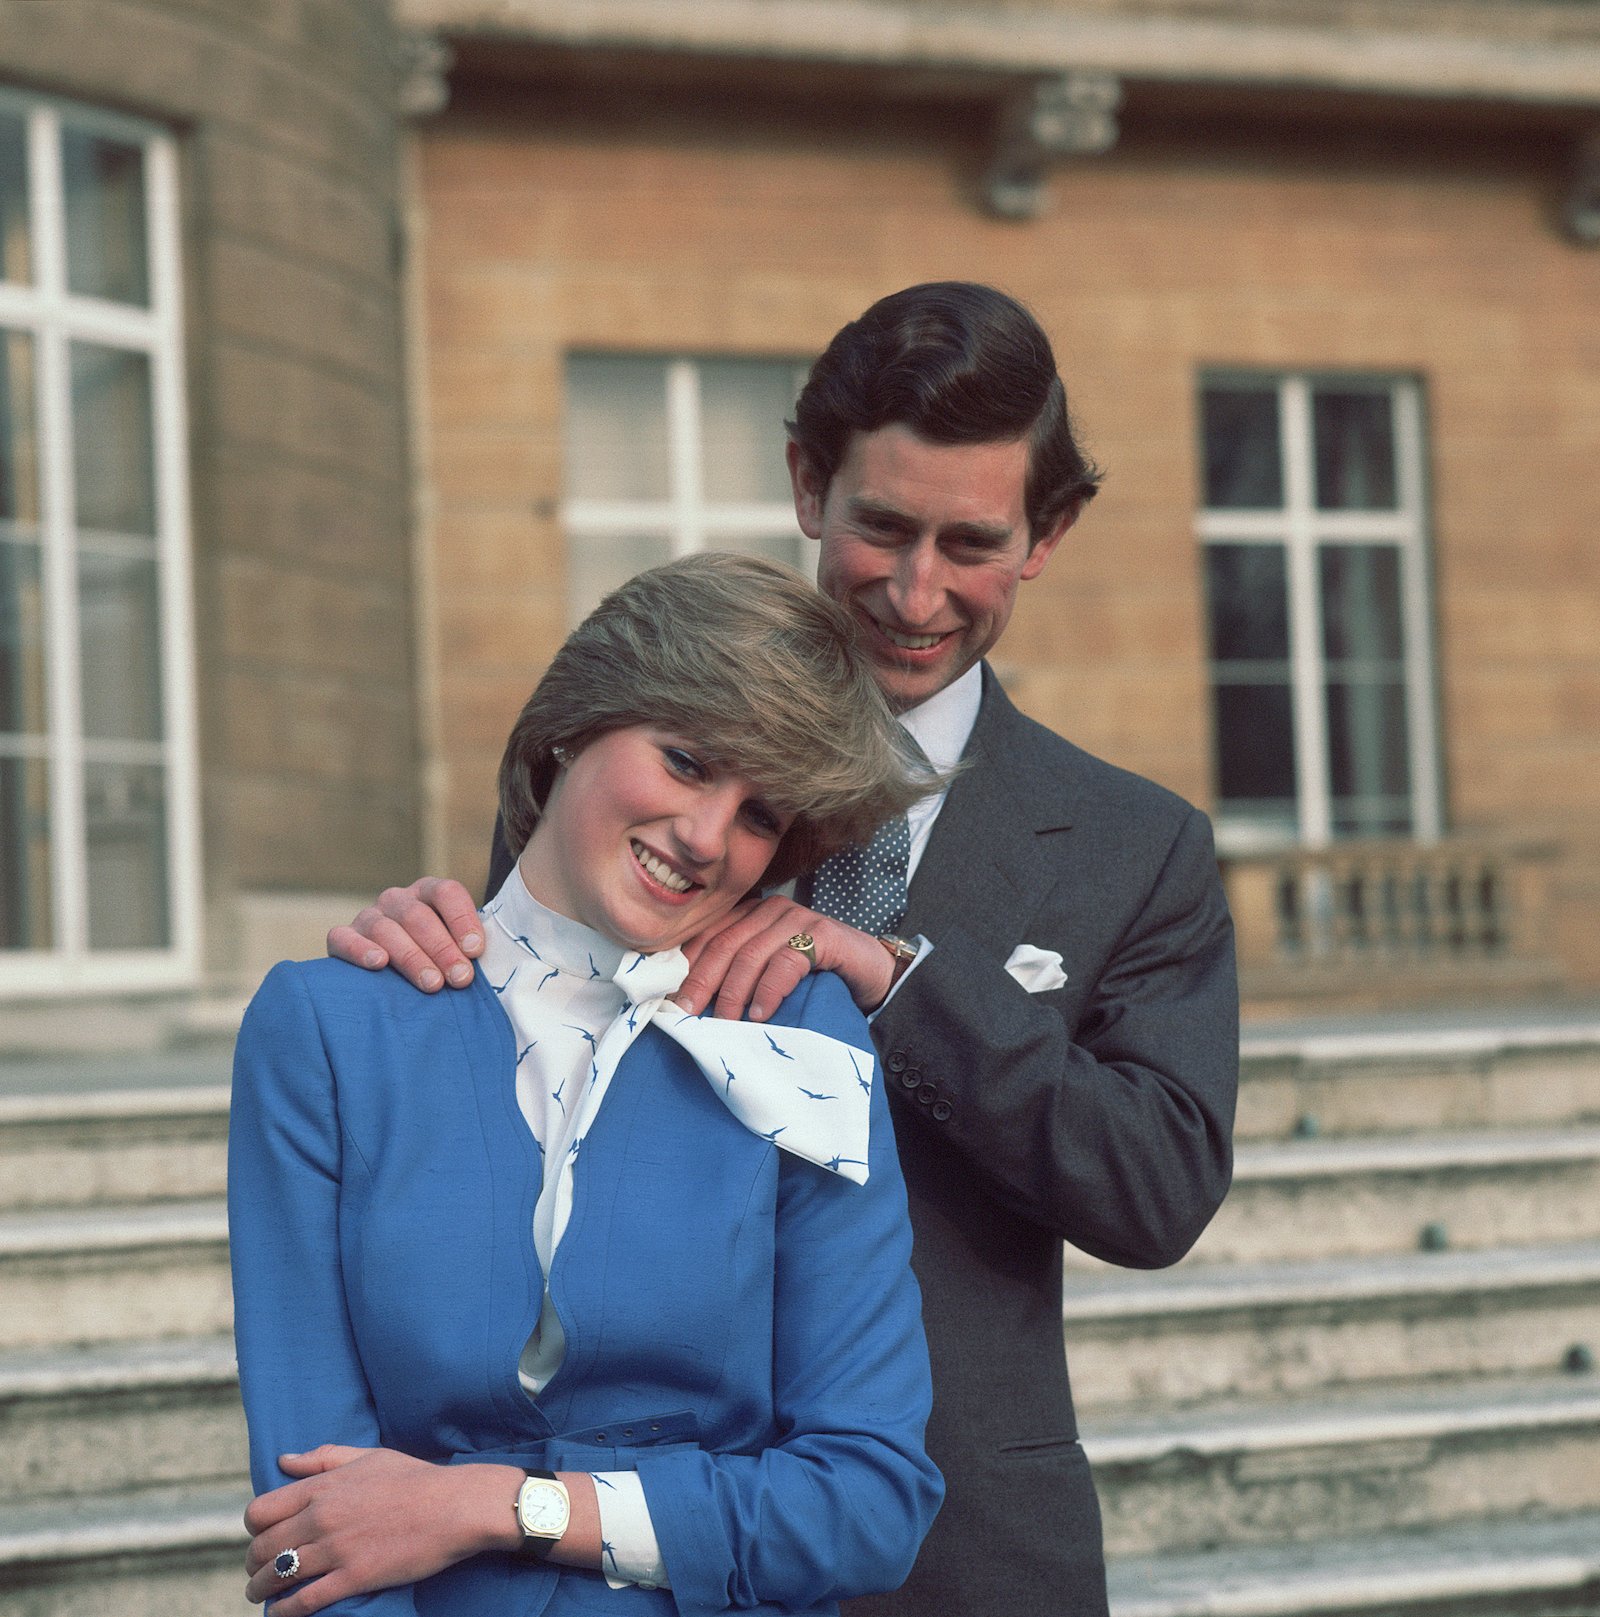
column 914, row 589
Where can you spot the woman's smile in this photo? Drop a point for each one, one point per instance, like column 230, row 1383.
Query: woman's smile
column 660, row 871
column 647, row 841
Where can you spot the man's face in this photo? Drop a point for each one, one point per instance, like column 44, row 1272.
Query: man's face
column 924, row 545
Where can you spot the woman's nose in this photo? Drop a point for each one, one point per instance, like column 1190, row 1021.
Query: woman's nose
column 703, row 828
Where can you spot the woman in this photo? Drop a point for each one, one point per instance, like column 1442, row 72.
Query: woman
column 550, row 1297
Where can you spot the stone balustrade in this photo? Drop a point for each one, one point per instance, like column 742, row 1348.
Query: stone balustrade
column 1385, row 913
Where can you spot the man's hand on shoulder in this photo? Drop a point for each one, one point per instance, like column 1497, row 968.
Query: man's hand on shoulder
column 429, row 932
column 745, row 960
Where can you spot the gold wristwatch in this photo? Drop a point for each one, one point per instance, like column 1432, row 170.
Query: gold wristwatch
column 543, row 1511
column 904, row 953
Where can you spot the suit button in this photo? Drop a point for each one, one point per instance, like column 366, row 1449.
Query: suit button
column 941, row 1110
column 896, row 1061
column 911, row 1078
column 927, row 1094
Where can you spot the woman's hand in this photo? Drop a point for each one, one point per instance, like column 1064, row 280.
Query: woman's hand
column 745, row 960
column 429, row 932
column 363, row 1519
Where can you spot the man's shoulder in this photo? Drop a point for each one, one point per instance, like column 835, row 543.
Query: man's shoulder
column 1044, row 763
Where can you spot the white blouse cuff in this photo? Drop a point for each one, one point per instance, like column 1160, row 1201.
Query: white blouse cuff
column 629, row 1552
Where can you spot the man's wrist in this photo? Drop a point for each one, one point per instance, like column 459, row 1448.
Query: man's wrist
column 901, row 954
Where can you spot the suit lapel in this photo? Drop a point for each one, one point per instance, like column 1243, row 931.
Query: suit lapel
column 989, row 861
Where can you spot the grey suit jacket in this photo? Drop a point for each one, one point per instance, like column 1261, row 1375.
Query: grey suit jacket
column 1100, row 1113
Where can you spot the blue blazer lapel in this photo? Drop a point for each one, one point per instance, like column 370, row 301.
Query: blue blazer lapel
column 488, row 1055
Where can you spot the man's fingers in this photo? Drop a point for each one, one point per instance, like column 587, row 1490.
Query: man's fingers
column 428, row 932
column 347, row 944
column 715, row 952
column 455, row 908
column 784, row 971
column 417, row 944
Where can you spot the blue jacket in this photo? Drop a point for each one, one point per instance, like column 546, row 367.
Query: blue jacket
column 742, row 1327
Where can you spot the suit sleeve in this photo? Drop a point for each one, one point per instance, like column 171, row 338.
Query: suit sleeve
column 840, row 1506
column 299, row 1369
column 1114, row 1130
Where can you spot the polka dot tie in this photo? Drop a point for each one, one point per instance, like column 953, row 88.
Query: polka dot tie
column 866, row 887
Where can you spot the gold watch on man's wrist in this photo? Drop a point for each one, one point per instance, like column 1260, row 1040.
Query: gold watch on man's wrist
column 543, row 1511
column 902, row 951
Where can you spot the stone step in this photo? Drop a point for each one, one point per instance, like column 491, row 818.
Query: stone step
column 166, row 1553
column 1530, row 1568
column 1347, row 1464
column 83, row 1275
column 1198, row 1332
column 119, row 1416
column 114, row 1145
column 1366, row 1196
column 1418, row 1079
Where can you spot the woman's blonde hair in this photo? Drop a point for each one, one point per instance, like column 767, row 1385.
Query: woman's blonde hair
column 748, row 661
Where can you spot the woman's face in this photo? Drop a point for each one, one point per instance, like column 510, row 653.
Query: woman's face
column 645, row 841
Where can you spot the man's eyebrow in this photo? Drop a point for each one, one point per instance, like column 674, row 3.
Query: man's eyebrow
column 863, row 505
column 979, row 533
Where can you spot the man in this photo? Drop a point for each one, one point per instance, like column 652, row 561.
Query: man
column 1059, row 1023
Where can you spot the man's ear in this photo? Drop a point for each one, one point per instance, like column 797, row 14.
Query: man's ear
column 809, row 491
column 1044, row 548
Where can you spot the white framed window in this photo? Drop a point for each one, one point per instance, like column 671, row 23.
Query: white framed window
column 1313, row 538
column 99, row 842
column 669, row 455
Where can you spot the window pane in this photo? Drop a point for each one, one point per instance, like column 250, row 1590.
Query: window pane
column 1354, row 451
column 125, row 816
column 743, row 405
column 1369, row 769
column 1247, row 593
column 119, row 646
column 22, row 707
column 1361, row 619
column 25, row 921
column 616, row 428
column 1243, row 459
column 1255, row 749
column 19, row 449
column 15, row 258
column 112, row 449
column 598, row 563
column 106, row 251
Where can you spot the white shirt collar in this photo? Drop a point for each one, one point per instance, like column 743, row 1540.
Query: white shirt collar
column 942, row 725
column 555, row 939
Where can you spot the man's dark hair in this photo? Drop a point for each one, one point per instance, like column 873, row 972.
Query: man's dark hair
column 957, row 363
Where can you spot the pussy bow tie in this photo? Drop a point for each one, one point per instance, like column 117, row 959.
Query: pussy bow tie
column 809, row 1093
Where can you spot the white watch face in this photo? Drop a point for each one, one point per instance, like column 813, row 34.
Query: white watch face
column 542, row 1508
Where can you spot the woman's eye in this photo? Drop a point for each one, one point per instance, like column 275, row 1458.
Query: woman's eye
column 683, row 763
column 762, row 820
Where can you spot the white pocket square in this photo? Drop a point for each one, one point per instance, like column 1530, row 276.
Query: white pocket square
column 1038, row 970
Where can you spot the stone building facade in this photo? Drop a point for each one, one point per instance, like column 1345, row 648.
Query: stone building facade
column 1364, row 634
column 485, row 304
column 254, row 596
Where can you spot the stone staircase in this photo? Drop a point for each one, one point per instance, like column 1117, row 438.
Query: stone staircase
column 122, row 1474
column 1371, row 1388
